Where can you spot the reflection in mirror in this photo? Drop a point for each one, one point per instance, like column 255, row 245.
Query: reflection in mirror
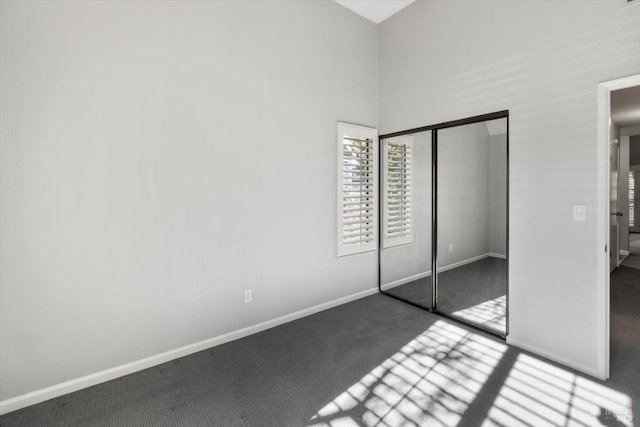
column 472, row 223
column 405, row 258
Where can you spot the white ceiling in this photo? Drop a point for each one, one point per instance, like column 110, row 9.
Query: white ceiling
column 375, row 10
column 625, row 106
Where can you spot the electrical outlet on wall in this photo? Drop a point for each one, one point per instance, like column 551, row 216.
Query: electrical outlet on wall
column 248, row 297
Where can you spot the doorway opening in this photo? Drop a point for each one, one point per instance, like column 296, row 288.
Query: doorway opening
column 618, row 121
column 625, row 132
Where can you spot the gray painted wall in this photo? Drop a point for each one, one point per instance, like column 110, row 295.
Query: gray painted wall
column 543, row 61
column 630, row 130
column 158, row 158
column 463, row 193
column 634, row 150
column 498, row 194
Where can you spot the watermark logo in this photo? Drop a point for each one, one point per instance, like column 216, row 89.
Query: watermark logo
column 620, row 414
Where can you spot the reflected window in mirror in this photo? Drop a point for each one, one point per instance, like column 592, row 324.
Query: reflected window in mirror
column 397, row 220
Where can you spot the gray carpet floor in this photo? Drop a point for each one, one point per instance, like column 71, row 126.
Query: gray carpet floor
column 632, row 261
column 375, row 361
column 418, row 291
column 475, row 292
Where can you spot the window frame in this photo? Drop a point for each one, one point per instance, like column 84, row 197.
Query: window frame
column 407, row 141
column 632, row 196
column 364, row 133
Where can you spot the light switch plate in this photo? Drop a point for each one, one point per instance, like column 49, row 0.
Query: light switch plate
column 579, row 212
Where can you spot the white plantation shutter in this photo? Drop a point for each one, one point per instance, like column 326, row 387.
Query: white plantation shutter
column 357, row 189
column 397, row 182
column 632, row 196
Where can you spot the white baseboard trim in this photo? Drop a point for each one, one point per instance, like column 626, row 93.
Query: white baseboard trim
column 621, row 257
column 497, row 255
column 551, row 355
column 405, row 280
column 28, row 399
column 463, row 262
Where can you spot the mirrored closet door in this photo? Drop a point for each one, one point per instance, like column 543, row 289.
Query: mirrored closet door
column 471, row 223
column 405, row 243
column 444, row 202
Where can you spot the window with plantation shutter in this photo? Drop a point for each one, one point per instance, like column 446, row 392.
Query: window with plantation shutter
column 357, row 189
column 397, row 209
column 632, row 196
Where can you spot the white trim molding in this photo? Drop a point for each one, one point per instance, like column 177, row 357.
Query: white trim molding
column 463, row 262
column 497, row 255
column 405, row 280
column 28, row 399
column 357, row 190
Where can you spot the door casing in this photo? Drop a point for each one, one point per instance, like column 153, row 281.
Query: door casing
column 603, row 218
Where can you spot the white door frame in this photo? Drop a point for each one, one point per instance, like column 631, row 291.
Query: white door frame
column 603, row 215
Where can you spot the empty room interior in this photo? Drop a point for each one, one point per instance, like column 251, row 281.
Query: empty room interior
column 320, row 213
